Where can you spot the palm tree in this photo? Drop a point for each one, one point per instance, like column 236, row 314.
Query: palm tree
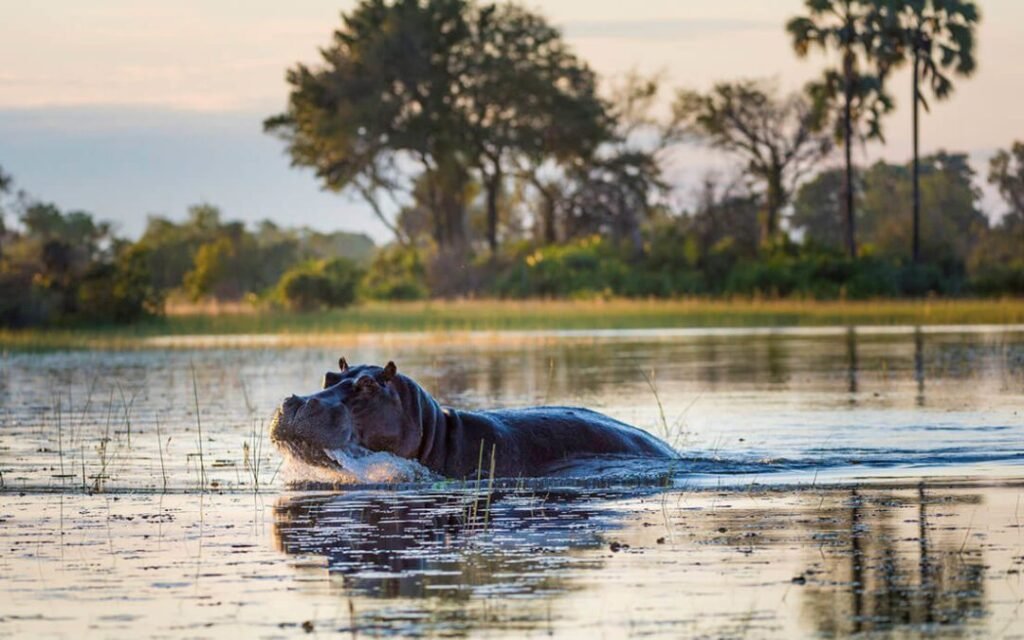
column 937, row 36
column 847, row 27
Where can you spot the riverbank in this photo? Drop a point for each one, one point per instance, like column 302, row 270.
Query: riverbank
column 530, row 315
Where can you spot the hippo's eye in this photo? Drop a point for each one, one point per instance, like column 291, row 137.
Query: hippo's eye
column 367, row 384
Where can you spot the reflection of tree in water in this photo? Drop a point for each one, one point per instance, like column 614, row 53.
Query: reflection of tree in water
column 584, row 372
column 919, row 365
column 390, row 545
column 876, row 573
column 852, row 367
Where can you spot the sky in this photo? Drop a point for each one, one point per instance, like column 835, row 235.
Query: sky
column 132, row 108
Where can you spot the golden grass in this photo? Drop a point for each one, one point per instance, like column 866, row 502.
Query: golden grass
column 515, row 315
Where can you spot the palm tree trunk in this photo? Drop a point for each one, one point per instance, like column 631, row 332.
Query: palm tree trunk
column 851, row 241
column 917, row 178
column 493, row 189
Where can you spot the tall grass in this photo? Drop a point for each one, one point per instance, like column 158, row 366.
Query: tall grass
column 498, row 315
column 199, row 429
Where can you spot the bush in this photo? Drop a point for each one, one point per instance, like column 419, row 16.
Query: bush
column 821, row 275
column 396, row 273
column 585, row 268
column 318, row 284
column 118, row 292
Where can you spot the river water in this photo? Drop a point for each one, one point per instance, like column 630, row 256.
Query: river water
column 833, row 481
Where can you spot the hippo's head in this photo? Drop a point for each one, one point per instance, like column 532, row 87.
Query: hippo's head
column 358, row 411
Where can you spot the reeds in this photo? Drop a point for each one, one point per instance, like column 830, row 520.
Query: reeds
column 199, row 429
column 160, row 450
column 472, row 515
column 252, row 454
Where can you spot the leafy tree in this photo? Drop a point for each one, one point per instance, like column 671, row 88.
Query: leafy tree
column 322, row 283
column 119, row 291
column 724, row 226
column 524, row 98
column 448, row 86
column 615, row 189
column 6, row 184
column 611, row 196
column 817, row 206
column 937, row 36
column 1006, row 172
column 381, row 96
column 776, row 138
column 854, row 89
column 997, row 263
column 396, row 273
column 953, row 219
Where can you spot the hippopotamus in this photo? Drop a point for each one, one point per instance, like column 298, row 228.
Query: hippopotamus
column 367, row 408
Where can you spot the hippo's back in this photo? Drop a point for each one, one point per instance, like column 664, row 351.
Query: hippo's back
column 563, row 432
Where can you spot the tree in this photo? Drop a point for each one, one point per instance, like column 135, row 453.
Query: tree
column 775, row 137
column 725, row 226
column 617, row 186
column 938, row 38
column 856, row 91
column 1006, row 172
column 817, row 206
column 997, row 263
column 322, row 283
column 524, row 98
column 6, row 184
column 381, row 97
column 951, row 212
column 448, row 86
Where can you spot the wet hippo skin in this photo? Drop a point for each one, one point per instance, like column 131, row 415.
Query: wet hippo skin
column 367, row 408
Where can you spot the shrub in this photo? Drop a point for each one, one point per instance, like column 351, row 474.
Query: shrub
column 395, row 273
column 318, row 284
column 121, row 291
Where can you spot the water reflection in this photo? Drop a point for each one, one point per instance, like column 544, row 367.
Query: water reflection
column 919, row 365
column 452, row 546
column 839, row 562
column 851, row 364
column 874, row 574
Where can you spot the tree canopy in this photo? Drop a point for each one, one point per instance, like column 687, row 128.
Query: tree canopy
column 461, row 90
column 775, row 137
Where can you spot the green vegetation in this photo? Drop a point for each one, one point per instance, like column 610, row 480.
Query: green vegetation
column 320, row 284
column 505, row 169
column 67, row 269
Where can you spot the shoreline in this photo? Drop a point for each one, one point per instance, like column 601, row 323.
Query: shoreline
column 529, row 320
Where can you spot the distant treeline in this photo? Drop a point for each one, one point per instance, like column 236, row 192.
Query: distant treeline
column 65, row 267
column 517, row 176
column 504, row 168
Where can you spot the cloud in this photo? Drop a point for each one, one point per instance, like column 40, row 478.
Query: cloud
column 669, row 29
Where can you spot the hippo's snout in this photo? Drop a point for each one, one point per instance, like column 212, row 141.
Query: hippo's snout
column 308, row 426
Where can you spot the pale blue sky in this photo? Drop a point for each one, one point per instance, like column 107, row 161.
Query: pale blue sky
column 129, row 108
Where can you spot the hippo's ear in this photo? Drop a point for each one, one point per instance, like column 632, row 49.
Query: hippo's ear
column 331, row 379
column 342, row 364
column 389, row 371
